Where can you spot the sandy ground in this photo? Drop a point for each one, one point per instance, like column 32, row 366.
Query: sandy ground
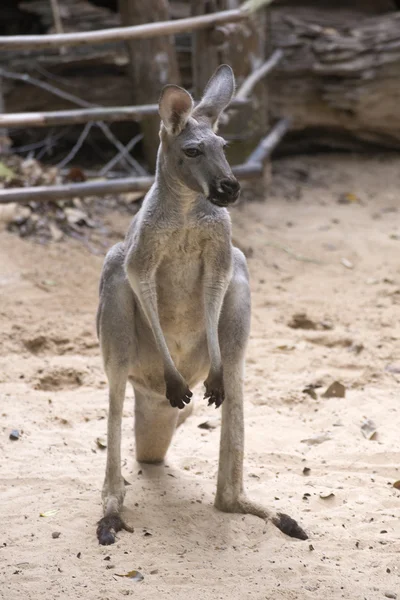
column 53, row 390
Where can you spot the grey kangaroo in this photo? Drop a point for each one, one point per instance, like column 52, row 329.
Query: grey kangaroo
column 175, row 305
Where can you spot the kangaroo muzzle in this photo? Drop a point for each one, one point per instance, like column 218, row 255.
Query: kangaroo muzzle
column 224, row 191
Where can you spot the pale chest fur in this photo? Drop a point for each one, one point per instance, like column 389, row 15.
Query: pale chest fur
column 180, row 277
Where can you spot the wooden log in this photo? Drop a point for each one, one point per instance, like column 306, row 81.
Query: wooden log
column 340, row 76
column 105, row 36
column 101, row 188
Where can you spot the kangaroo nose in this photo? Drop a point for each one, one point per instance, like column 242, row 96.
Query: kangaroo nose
column 230, row 187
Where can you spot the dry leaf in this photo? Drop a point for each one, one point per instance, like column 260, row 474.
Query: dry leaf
column 101, row 443
column 49, row 513
column 134, row 575
column 326, row 495
column 368, row 429
column 75, row 216
column 347, row 263
column 210, row 424
column 13, row 213
column 319, row 438
column 301, row 321
column 6, row 173
column 348, row 198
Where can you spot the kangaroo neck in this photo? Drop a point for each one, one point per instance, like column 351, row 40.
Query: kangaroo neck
column 171, row 190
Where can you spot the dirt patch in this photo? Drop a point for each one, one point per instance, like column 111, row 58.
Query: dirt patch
column 59, row 378
column 306, row 455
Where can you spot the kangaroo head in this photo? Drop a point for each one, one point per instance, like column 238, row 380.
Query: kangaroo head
column 192, row 151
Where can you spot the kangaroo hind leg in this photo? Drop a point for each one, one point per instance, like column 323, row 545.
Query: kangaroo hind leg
column 233, row 331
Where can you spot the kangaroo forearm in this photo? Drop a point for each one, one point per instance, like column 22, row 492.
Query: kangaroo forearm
column 146, row 293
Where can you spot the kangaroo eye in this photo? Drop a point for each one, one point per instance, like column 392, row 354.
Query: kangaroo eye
column 192, row 152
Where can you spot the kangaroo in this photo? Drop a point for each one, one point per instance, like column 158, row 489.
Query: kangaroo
column 175, row 305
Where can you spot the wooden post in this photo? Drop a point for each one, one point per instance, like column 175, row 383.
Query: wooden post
column 242, row 46
column 4, row 139
column 152, row 64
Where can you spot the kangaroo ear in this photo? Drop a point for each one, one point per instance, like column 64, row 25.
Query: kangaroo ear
column 217, row 95
column 175, row 107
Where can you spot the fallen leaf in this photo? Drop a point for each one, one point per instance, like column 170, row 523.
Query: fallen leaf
column 347, row 263
column 319, row 438
column 326, row 495
column 101, row 443
column 14, row 213
column 76, row 175
column 348, row 198
column 6, row 173
column 335, row 390
column 210, row 424
column 301, row 321
column 397, row 485
column 310, row 390
column 14, row 435
column 49, row 513
column 75, row 216
column 134, row 575
column 55, row 232
column 285, row 347
column 368, row 429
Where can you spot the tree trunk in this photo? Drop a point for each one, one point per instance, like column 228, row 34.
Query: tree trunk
column 339, row 80
column 152, row 64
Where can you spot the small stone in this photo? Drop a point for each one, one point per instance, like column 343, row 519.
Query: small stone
column 14, row 435
column 335, row 390
column 390, row 595
column 55, row 535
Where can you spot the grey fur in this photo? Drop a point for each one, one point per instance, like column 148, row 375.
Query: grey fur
column 175, row 302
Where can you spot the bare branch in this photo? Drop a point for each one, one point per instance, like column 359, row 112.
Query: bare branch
column 251, row 81
column 114, row 161
column 77, row 146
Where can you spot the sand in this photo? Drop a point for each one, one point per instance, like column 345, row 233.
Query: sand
column 53, row 390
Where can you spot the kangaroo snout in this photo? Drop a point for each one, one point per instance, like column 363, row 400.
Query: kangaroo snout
column 224, row 191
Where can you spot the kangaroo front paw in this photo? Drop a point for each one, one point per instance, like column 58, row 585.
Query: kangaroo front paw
column 177, row 392
column 108, row 527
column 215, row 392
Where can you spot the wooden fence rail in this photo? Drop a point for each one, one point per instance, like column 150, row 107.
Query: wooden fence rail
column 250, row 170
column 78, row 116
column 115, row 34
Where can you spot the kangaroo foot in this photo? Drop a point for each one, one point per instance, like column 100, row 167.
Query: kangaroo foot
column 108, row 527
column 282, row 521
